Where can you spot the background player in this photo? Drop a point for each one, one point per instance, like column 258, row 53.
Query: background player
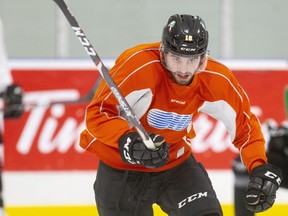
column 11, row 96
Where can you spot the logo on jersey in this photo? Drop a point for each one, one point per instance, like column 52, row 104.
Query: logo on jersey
column 168, row 120
column 177, row 101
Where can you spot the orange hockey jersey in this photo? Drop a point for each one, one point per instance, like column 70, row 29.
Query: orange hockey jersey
column 168, row 109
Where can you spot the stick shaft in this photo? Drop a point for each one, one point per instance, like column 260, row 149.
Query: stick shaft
column 105, row 74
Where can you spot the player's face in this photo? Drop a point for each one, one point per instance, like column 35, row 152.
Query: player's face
column 182, row 68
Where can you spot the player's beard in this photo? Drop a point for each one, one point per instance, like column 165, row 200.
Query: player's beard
column 183, row 79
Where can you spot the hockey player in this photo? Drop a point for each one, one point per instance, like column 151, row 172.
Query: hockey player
column 167, row 84
column 11, row 96
column 277, row 154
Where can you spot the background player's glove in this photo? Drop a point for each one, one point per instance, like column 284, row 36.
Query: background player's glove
column 134, row 151
column 278, row 143
column 13, row 98
column 277, row 148
column 261, row 192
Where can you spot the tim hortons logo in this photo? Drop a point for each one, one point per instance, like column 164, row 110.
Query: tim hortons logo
column 52, row 136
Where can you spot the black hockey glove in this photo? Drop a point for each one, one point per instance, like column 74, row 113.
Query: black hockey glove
column 261, row 192
column 278, row 143
column 13, row 98
column 134, row 151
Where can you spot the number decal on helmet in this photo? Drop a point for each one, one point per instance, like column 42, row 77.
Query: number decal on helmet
column 188, row 38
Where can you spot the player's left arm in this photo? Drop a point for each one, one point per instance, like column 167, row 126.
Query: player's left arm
column 232, row 106
column 265, row 178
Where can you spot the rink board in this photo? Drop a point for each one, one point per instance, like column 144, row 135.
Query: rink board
column 45, row 176
column 279, row 210
column 71, row 192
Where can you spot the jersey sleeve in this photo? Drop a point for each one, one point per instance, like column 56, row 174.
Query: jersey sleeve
column 249, row 138
column 105, row 119
column 230, row 104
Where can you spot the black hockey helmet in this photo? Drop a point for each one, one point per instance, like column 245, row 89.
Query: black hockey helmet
column 185, row 35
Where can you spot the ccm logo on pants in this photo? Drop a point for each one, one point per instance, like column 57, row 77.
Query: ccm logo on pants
column 191, row 198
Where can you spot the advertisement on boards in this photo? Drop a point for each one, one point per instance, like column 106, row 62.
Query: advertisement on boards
column 46, row 137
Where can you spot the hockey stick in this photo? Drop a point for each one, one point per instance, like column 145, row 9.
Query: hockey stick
column 105, row 74
column 26, row 106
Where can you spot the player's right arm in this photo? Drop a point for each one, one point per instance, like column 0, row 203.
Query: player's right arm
column 104, row 119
